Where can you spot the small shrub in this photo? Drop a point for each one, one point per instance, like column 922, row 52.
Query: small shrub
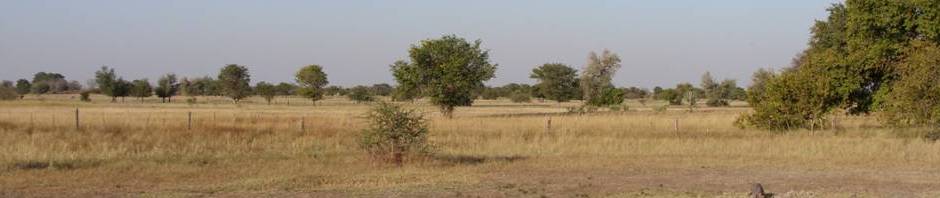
column 609, row 96
column 8, row 93
column 85, row 96
column 575, row 110
column 717, row 103
column 360, row 94
column 660, row 109
column 394, row 132
column 520, row 97
column 614, row 107
column 191, row 101
column 619, row 108
column 933, row 135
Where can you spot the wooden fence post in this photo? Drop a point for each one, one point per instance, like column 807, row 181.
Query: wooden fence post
column 676, row 124
column 548, row 125
column 190, row 118
column 77, row 127
column 302, row 127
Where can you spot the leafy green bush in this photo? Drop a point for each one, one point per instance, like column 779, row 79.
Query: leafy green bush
column 8, row 93
column 914, row 99
column 795, row 99
column 609, row 96
column 661, row 109
column 520, row 97
column 360, row 94
column 932, row 136
column 85, row 96
column 394, row 132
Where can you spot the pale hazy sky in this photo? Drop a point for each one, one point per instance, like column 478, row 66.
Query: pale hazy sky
column 661, row 43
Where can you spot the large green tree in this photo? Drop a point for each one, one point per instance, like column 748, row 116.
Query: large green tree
column 141, row 89
column 914, row 99
column 854, row 58
column 596, row 78
column 234, row 80
column 556, row 81
column 167, row 87
column 23, row 87
column 407, row 78
column 311, row 79
column 265, row 90
column 107, row 81
column 447, row 70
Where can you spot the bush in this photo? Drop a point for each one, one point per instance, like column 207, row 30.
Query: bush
column 914, row 99
column 933, row 135
column 609, row 96
column 85, row 96
column 794, row 99
column 520, row 97
column 360, row 94
column 8, row 93
column 661, row 109
column 619, row 108
column 394, row 132
column 712, row 102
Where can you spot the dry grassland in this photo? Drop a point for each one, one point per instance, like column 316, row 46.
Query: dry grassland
column 494, row 149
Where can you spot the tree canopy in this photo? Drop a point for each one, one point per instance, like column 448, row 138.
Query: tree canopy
column 855, row 59
column 556, row 81
column 311, row 79
column 596, row 78
column 234, row 81
column 447, row 70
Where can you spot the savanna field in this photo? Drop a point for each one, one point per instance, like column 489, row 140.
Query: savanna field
column 495, row 148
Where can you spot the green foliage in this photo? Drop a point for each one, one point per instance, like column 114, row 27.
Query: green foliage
column 447, row 70
column 688, row 93
column 505, row 91
column 311, row 79
column 360, row 94
column 204, row 86
column 758, row 82
column 408, row 81
column 556, row 81
column 855, row 58
column 718, row 94
column 661, row 109
column 596, row 78
column 8, row 93
column 41, row 88
column 167, row 87
column 914, row 99
column 266, row 91
column 933, row 135
column 234, row 81
column 381, row 89
column 23, row 87
column 670, row 95
column 607, row 97
column 794, row 99
column 285, row 89
column 105, row 78
column 85, row 96
column 121, row 88
column 141, row 89
column 635, row 93
column 394, row 132
column 520, row 96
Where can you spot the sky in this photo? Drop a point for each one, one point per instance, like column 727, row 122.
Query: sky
column 661, row 43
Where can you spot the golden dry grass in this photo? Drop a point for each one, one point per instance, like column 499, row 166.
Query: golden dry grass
column 495, row 148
